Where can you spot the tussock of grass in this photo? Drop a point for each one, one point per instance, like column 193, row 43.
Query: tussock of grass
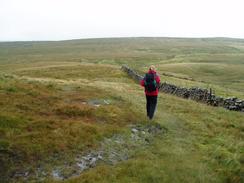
column 75, row 111
column 11, row 122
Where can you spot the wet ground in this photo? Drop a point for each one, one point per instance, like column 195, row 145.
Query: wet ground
column 113, row 150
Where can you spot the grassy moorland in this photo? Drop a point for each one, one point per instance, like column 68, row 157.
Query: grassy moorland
column 216, row 63
column 46, row 89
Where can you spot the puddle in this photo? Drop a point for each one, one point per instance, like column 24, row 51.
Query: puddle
column 98, row 102
column 91, row 102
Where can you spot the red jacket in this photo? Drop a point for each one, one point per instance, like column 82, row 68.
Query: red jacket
column 154, row 93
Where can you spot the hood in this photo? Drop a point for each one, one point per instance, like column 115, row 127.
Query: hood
column 152, row 72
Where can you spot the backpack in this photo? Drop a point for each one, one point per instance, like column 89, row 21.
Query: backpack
column 150, row 82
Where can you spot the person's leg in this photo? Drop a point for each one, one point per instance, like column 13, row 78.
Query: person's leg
column 148, row 105
column 150, row 98
column 153, row 106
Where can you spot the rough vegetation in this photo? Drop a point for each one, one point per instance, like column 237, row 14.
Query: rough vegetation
column 119, row 147
column 63, row 103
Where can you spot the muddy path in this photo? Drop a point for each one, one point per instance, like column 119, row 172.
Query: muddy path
column 118, row 148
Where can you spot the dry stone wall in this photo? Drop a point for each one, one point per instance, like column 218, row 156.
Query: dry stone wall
column 194, row 93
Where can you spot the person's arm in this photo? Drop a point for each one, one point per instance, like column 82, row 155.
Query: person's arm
column 158, row 81
column 142, row 82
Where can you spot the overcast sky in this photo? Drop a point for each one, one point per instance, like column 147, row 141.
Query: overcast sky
column 74, row 19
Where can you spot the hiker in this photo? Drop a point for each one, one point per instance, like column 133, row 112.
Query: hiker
column 151, row 82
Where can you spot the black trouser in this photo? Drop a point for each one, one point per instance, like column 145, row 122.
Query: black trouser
column 151, row 105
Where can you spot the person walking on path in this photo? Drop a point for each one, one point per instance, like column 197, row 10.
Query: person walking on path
column 151, row 82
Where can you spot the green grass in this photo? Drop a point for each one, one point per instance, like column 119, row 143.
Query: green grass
column 88, row 71
column 202, row 145
column 46, row 118
column 218, row 62
column 39, row 120
column 223, row 75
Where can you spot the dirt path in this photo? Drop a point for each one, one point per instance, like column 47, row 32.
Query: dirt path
column 119, row 147
column 121, row 86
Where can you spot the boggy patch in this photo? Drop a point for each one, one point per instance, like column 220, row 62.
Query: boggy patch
column 119, row 147
column 92, row 102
